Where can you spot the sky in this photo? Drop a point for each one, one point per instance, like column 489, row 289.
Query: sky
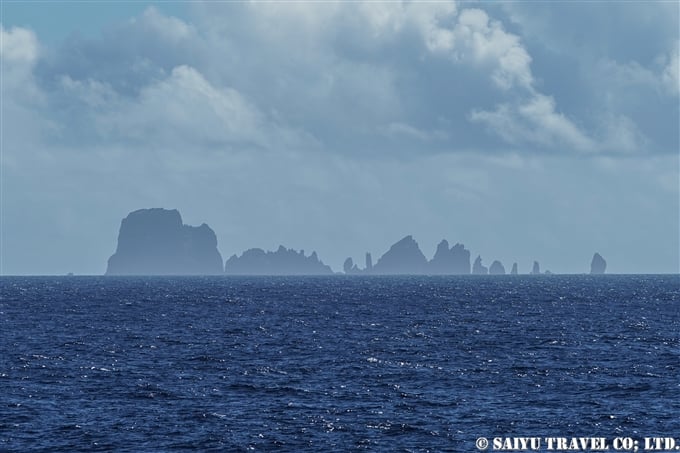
column 525, row 130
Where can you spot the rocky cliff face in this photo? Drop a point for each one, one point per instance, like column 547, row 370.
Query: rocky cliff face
column 404, row 257
column 478, row 268
column 496, row 268
column 447, row 261
column 281, row 262
column 598, row 265
column 155, row 242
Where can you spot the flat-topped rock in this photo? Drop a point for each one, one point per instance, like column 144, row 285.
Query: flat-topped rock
column 156, row 242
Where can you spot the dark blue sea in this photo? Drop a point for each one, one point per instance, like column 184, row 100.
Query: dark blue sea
column 334, row 363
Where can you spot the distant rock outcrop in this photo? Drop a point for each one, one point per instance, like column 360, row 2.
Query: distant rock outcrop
column 496, row 268
column 155, row 242
column 478, row 268
column 454, row 260
column 514, row 269
column 348, row 266
column 369, row 262
column 598, row 265
column 281, row 262
column 404, row 257
column 536, row 270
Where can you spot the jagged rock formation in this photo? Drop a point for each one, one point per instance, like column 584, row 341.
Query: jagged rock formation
column 281, row 262
column 478, row 268
column 454, row 260
column 350, row 268
column 598, row 265
column 536, row 270
column 496, row 268
column 514, row 269
column 155, row 242
column 347, row 265
column 404, row 257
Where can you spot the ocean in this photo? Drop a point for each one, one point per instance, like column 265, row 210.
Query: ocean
column 338, row 363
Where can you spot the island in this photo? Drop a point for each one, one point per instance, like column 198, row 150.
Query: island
column 156, row 242
column 404, row 257
column 496, row 268
column 478, row 268
column 281, row 262
column 598, row 265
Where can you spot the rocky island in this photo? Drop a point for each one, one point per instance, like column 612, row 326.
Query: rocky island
column 496, row 268
column 454, row 260
column 156, row 242
column 598, row 265
column 404, row 257
column 281, row 262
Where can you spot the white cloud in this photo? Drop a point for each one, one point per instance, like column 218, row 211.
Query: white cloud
column 534, row 122
column 670, row 76
column 489, row 43
column 182, row 109
column 169, row 28
column 19, row 46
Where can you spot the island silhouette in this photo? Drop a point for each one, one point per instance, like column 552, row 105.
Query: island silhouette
column 156, row 242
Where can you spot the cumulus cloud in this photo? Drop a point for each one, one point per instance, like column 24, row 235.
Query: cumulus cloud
column 348, row 77
column 535, row 121
column 19, row 45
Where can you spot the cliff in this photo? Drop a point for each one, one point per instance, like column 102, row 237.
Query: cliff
column 496, row 268
column 156, row 242
column 281, row 262
column 478, row 268
column 598, row 265
column 404, row 257
column 454, row 260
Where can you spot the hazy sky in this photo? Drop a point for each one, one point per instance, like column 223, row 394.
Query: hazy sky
column 525, row 130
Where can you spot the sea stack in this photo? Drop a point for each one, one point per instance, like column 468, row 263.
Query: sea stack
column 536, row 270
column 447, row 261
column 496, row 268
column 514, row 269
column 598, row 265
column 404, row 257
column 369, row 263
column 156, row 242
column 478, row 268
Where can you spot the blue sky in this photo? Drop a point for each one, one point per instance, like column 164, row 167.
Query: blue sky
column 524, row 130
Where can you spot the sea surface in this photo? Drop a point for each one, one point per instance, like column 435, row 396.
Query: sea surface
column 334, row 363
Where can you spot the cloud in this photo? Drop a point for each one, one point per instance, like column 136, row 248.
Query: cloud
column 670, row 76
column 19, row 46
column 348, row 78
column 535, row 122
